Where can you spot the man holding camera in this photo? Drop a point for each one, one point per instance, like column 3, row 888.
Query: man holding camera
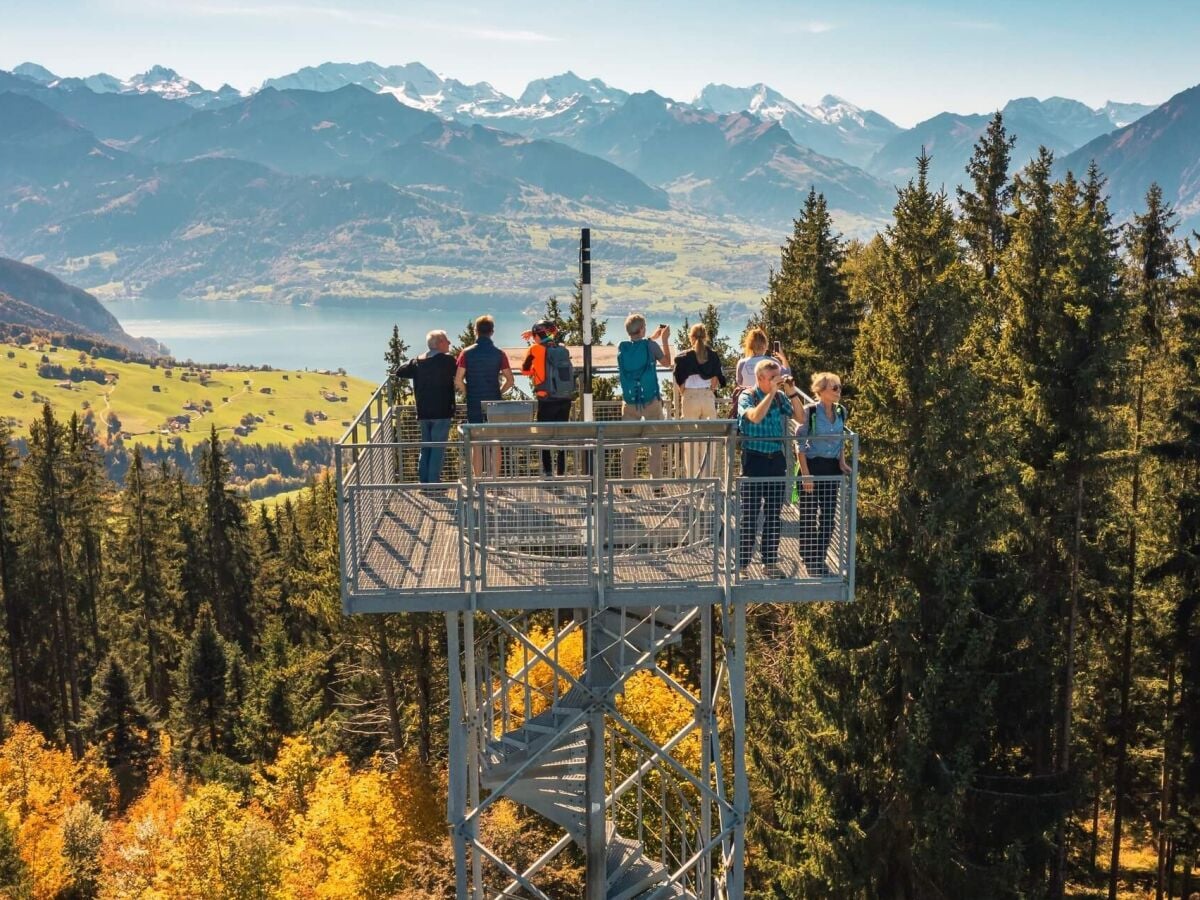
column 762, row 419
column 637, row 364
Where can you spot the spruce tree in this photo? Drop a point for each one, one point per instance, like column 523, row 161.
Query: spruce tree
column 894, row 691
column 1151, row 274
column 202, row 685
column 122, row 723
column 15, row 607
column 808, row 308
column 146, row 599
column 984, row 221
column 397, row 355
column 229, row 574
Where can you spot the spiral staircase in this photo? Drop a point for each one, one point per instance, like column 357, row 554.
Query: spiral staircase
column 548, row 753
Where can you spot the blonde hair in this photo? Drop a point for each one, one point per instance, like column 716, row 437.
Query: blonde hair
column 755, row 342
column 635, row 323
column 821, row 380
column 485, row 326
column 698, row 335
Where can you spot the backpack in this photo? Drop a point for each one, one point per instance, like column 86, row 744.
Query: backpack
column 639, row 378
column 560, row 374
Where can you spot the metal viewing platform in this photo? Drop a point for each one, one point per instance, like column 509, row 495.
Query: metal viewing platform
column 558, row 592
column 510, row 538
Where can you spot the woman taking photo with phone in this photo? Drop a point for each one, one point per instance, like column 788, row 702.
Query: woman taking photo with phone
column 698, row 374
column 754, row 351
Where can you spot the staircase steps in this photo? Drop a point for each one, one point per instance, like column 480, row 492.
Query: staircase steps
column 555, row 784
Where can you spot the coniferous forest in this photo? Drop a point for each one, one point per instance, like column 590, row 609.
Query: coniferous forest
column 1010, row 708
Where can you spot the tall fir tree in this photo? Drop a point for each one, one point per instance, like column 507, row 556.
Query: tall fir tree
column 1150, row 280
column 899, row 684
column 201, row 687
column 984, row 221
column 15, row 604
column 227, row 558
column 1180, row 572
column 395, row 356
column 808, row 308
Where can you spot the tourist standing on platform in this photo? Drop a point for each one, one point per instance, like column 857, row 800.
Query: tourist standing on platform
column 548, row 365
column 754, row 351
column 641, row 398
column 433, row 384
column 483, row 374
column 698, row 374
column 822, row 453
column 763, row 413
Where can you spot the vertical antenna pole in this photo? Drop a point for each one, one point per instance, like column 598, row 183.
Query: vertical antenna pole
column 585, row 288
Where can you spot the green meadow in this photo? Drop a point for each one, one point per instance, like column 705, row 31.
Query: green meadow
column 153, row 403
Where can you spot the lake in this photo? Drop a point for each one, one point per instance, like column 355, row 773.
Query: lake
column 308, row 337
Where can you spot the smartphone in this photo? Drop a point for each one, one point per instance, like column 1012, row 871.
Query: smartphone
column 662, row 327
column 778, row 348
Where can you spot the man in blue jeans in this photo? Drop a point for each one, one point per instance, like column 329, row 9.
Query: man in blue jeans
column 762, row 416
column 433, row 384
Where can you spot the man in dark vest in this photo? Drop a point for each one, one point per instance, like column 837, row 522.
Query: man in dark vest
column 433, row 384
column 483, row 374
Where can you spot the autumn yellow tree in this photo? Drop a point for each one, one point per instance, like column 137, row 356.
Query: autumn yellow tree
column 46, row 794
column 363, row 835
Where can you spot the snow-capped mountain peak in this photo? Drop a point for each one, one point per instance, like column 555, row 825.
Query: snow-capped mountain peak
column 165, row 82
column 568, row 85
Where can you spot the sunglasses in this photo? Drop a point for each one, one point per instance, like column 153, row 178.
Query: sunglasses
column 834, row 387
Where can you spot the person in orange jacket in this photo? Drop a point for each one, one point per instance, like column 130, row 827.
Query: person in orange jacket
column 552, row 406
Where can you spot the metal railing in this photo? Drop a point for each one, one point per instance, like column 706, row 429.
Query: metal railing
column 658, row 506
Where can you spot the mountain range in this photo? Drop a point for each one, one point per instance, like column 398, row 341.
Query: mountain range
column 172, row 186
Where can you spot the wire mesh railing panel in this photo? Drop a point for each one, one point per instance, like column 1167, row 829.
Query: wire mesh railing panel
column 790, row 529
column 662, row 532
column 533, row 535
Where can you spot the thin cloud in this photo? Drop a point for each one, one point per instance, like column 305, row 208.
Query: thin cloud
column 809, row 27
column 493, row 34
column 350, row 17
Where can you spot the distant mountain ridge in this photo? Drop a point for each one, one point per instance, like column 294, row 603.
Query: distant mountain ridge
column 1058, row 123
column 834, row 127
column 33, row 297
column 1162, row 146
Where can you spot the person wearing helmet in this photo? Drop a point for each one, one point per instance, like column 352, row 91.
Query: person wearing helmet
column 552, row 376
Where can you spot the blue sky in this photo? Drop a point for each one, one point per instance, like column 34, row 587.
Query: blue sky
column 907, row 60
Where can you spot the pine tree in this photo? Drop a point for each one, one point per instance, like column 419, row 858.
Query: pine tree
column 984, row 222
column 121, row 722
column 228, row 573
column 202, row 685
column 145, row 596
column 396, row 356
column 894, row 692
column 43, row 499
column 807, row 307
column 1151, row 276
column 467, row 338
column 15, row 609
column 1180, row 570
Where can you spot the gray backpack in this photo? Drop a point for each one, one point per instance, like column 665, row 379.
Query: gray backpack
column 560, row 374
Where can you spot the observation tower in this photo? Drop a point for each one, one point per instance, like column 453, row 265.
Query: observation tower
column 561, row 594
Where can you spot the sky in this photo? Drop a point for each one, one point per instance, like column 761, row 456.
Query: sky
column 908, row 61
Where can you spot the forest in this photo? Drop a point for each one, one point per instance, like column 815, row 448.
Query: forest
column 1009, row 708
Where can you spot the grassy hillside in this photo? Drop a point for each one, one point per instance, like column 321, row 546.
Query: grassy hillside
column 221, row 397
